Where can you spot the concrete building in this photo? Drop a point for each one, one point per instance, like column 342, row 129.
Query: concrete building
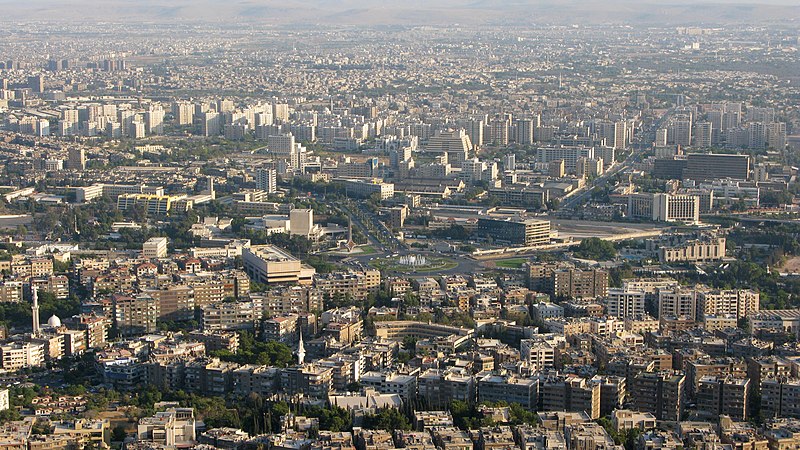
column 625, row 303
column 665, row 207
column 571, row 393
column 270, row 264
column 134, row 315
column 707, row 166
column 365, row 188
column 21, row 355
column 659, row 393
column 493, row 388
column 266, row 180
column 155, row 247
column 174, row 427
column 723, row 395
column 779, row 398
column 677, row 302
column 530, row 232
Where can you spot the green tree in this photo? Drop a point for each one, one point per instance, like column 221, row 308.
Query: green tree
column 596, row 249
column 118, row 434
column 388, row 419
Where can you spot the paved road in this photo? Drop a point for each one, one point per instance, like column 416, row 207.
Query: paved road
column 637, row 150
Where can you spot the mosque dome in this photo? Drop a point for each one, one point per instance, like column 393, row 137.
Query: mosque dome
column 54, row 321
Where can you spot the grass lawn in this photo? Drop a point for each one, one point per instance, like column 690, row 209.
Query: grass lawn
column 512, row 263
column 367, row 249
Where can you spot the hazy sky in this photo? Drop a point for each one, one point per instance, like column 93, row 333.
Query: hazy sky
column 368, row 12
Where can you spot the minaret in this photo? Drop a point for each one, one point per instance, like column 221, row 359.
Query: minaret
column 301, row 350
column 210, row 188
column 35, row 310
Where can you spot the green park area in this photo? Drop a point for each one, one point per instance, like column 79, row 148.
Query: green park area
column 511, row 263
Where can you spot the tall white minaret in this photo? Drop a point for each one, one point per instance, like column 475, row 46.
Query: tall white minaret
column 35, row 310
column 210, row 188
column 301, row 350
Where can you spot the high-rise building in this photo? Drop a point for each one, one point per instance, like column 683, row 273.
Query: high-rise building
column 524, row 391
column 498, row 130
column 659, row 393
column 625, row 303
column 661, row 137
column 183, row 112
column 136, row 130
column 281, row 145
column 280, row 112
column 154, row 120
column 723, row 395
column 301, row 222
column 776, row 135
column 703, row 132
column 266, row 180
column 224, row 106
column 665, row 207
column 135, row 315
column 571, row 393
column 567, row 281
column 211, row 124
column 36, row 83
column 570, row 155
column 76, row 159
column 677, row 302
column 523, row 131
column 510, row 162
column 557, row 168
column 681, row 131
column 733, row 302
column 615, row 134
column 455, row 144
column 779, row 397
column 474, row 129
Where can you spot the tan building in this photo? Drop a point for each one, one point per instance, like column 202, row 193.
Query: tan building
column 85, row 432
column 270, row 264
column 695, row 250
column 175, row 302
column 135, row 315
column 20, row 355
column 357, row 285
column 155, row 247
column 173, row 427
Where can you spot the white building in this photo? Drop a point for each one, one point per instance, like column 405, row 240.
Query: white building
column 301, row 222
column 174, row 427
column 155, row 247
column 19, row 355
column 625, row 303
column 267, row 180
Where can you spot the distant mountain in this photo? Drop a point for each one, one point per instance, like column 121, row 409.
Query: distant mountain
column 410, row 12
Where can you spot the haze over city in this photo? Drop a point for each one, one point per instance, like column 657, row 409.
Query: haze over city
column 438, row 12
column 381, row 225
